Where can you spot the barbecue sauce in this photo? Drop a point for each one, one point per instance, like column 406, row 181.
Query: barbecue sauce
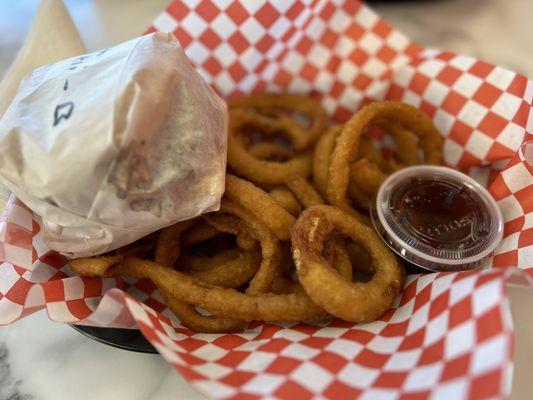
column 437, row 218
column 440, row 214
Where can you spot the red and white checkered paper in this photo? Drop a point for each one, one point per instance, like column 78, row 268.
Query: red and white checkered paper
column 449, row 335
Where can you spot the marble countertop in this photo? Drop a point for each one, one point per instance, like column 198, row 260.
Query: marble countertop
column 43, row 360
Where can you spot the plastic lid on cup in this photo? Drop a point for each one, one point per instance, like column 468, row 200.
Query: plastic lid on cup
column 437, row 218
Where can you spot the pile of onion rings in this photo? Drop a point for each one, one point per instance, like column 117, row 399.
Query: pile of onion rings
column 291, row 240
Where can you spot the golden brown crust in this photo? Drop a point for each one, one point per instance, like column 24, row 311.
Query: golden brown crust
column 167, row 248
column 321, row 158
column 304, row 191
column 261, row 205
column 223, row 302
column 257, row 170
column 270, row 248
column 347, row 144
column 287, row 200
column 270, row 107
column 232, row 273
column 351, row 301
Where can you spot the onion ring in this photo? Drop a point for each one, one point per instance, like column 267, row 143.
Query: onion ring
column 191, row 262
column 351, row 301
column 199, row 232
column 195, row 262
column 336, row 253
column 248, row 223
column 94, row 266
column 360, row 199
column 168, row 243
column 286, row 200
column 192, row 319
column 321, row 164
column 270, row 151
column 366, row 176
column 405, row 138
column 405, row 141
column 304, row 191
column 188, row 315
column 275, row 217
column 284, row 285
column 232, row 273
column 321, row 158
column 368, row 151
column 166, row 253
column 348, row 141
column 269, row 104
column 220, row 301
column 257, row 170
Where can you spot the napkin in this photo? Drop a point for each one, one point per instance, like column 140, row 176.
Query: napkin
column 449, row 335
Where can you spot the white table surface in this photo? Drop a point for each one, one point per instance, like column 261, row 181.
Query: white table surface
column 43, row 360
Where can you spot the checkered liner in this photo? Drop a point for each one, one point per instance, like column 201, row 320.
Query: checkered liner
column 449, row 336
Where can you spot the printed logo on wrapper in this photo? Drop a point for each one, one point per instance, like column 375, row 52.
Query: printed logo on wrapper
column 449, row 335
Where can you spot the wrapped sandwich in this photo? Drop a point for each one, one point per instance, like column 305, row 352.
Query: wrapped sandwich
column 110, row 146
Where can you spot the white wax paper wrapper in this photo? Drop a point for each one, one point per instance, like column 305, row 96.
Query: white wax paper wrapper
column 108, row 147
